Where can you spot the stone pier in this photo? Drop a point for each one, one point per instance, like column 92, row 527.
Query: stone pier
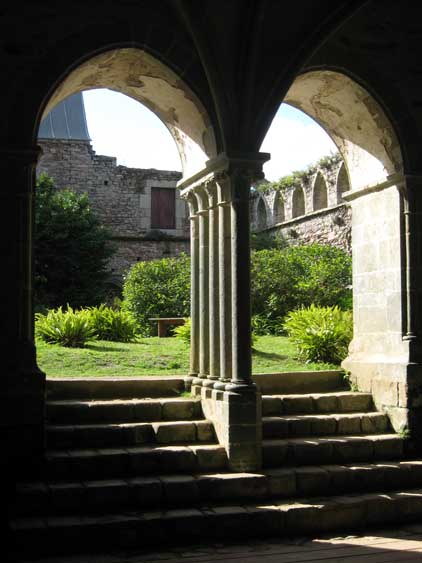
column 220, row 371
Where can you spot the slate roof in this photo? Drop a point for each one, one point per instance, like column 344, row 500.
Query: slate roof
column 67, row 120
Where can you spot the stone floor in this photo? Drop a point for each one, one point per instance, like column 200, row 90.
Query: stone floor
column 389, row 544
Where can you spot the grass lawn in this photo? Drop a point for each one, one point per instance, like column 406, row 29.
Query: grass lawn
column 157, row 356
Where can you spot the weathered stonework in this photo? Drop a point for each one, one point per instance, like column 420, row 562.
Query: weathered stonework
column 311, row 212
column 121, row 197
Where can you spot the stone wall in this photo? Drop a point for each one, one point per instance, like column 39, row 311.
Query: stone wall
column 313, row 211
column 121, row 197
column 329, row 226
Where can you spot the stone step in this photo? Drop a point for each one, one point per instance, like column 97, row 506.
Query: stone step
column 121, row 410
column 336, row 449
column 129, row 434
column 325, row 425
column 141, row 493
column 109, row 463
column 85, row 388
column 300, row 382
column 58, row 534
column 340, row 402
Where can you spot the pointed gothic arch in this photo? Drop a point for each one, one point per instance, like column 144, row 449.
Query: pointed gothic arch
column 342, row 184
column 261, row 215
column 139, row 75
column 298, row 202
column 319, row 193
column 279, row 208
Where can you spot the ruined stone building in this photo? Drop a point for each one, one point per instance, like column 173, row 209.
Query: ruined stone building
column 312, row 210
column 141, row 207
column 102, row 463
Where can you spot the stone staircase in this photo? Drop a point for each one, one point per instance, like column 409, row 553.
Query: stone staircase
column 134, row 462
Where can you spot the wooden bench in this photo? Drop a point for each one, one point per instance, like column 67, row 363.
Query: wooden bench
column 164, row 322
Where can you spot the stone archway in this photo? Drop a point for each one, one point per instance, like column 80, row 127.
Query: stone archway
column 379, row 353
column 144, row 78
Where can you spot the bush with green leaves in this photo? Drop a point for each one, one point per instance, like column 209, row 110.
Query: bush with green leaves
column 68, row 328
column 158, row 288
column 112, row 324
column 297, row 276
column 321, row 334
column 71, row 249
column 183, row 331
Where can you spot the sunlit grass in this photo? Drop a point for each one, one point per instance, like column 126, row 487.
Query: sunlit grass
column 157, row 356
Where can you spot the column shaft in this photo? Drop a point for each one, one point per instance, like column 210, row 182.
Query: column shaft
column 224, row 266
column 204, row 344
column 194, row 292
column 214, row 319
column 240, row 271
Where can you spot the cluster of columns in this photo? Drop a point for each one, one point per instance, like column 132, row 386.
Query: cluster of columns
column 220, row 271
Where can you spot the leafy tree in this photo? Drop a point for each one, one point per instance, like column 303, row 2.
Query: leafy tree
column 157, row 288
column 297, row 276
column 71, row 249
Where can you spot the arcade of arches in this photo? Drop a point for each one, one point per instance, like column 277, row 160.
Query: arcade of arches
column 352, row 65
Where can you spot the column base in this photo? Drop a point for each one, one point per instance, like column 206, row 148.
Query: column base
column 237, row 421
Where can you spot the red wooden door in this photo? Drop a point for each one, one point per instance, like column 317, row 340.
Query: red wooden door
column 163, row 205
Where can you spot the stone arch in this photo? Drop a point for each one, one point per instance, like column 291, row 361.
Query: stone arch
column 141, row 76
column 298, row 202
column 319, row 193
column 354, row 120
column 261, row 215
column 279, row 209
column 342, row 184
column 373, row 160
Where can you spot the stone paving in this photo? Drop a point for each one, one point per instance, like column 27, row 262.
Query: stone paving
column 388, row 544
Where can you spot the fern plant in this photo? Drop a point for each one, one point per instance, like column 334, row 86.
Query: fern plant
column 68, row 328
column 321, row 334
column 183, row 331
column 112, row 324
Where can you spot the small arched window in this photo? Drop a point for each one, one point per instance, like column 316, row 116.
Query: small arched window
column 320, row 199
column 279, row 213
column 298, row 203
column 343, row 184
column 261, row 215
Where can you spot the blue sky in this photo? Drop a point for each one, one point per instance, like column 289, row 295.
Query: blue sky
column 122, row 127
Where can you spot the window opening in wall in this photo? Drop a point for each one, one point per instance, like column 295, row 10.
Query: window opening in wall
column 320, row 195
column 163, row 208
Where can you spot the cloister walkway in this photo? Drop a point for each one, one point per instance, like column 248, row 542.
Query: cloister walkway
column 386, row 545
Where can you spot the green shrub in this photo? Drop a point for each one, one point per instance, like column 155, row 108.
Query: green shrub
column 68, row 328
column 112, row 324
column 298, row 276
column 321, row 334
column 158, row 288
column 71, row 249
column 183, row 331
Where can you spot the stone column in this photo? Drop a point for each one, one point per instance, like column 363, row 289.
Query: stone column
column 194, row 291
column 23, row 384
column 204, row 343
column 240, row 181
column 225, row 285
column 213, row 286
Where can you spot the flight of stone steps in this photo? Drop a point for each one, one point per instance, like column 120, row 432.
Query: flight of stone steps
column 132, row 462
